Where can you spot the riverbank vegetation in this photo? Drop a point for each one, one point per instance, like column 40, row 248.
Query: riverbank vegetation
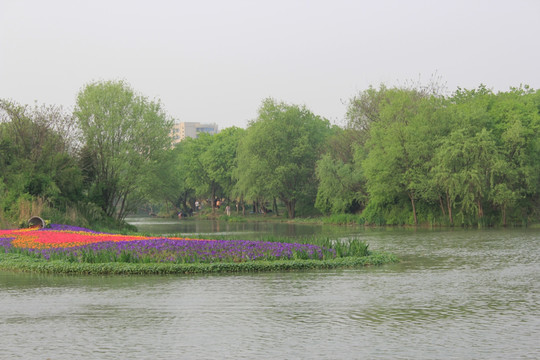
column 68, row 249
column 408, row 155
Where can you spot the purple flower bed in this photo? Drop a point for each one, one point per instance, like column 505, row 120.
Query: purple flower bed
column 6, row 243
column 77, row 244
column 184, row 251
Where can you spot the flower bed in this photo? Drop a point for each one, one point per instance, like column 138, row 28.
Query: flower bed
column 83, row 245
column 69, row 249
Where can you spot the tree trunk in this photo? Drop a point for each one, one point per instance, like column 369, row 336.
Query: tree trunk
column 213, row 199
column 449, row 204
column 184, row 200
column 121, row 215
column 290, row 208
column 480, row 209
column 411, row 196
column 442, row 206
column 274, row 207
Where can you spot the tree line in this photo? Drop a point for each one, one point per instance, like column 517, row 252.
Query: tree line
column 406, row 155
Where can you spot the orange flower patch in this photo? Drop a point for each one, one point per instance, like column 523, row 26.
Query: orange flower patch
column 34, row 238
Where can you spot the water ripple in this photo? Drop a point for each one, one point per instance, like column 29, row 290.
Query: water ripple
column 464, row 295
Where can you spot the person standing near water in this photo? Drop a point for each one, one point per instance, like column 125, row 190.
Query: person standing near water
column 228, row 210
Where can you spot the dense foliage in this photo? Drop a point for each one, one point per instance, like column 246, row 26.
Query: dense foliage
column 124, row 134
column 407, row 155
column 473, row 158
column 276, row 158
column 87, row 167
column 39, row 170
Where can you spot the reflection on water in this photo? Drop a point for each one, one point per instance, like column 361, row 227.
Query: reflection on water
column 456, row 294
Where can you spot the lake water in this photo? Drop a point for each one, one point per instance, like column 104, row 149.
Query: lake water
column 456, row 294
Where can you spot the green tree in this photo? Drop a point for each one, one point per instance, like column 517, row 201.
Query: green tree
column 339, row 173
column 125, row 132
column 219, row 161
column 464, row 168
column 37, row 157
column 400, row 148
column 277, row 156
column 516, row 173
column 475, row 154
column 169, row 186
column 192, row 165
column 487, row 162
column 206, row 163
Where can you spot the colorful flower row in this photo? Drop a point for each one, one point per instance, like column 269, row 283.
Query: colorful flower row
column 61, row 236
column 83, row 245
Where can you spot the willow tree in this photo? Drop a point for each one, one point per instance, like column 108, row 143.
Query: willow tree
column 341, row 183
column 124, row 132
column 400, row 148
column 277, row 156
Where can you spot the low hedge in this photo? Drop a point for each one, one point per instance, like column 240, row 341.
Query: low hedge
column 19, row 262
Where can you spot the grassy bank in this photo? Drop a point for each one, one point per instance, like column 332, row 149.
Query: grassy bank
column 19, row 262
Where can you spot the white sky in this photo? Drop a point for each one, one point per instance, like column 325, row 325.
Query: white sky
column 216, row 60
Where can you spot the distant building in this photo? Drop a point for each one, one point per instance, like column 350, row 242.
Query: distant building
column 182, row 130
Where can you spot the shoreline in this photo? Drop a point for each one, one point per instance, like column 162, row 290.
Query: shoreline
column 352, row 221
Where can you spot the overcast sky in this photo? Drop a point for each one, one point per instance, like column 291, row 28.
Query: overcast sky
column 216, row 60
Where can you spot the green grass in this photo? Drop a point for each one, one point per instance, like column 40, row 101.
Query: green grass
column 343, row 219
column 233, row 218
column 20, row 262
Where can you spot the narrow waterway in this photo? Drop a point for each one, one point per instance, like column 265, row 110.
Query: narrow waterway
column 456, row 294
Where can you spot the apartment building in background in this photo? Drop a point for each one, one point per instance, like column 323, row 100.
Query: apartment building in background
column 182, row 130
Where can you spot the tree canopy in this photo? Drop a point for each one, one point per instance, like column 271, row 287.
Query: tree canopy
column 277, row 156
column 124, row 132
column 407, row 155
column 36, row 159
column 471, row 154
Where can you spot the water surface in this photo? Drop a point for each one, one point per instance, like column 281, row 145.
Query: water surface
column 456, row 294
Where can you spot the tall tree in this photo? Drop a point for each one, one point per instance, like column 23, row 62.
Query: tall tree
column 277, row 156
column 516, row 174
column 125, row 131
column 399, row 148
column 464, row 168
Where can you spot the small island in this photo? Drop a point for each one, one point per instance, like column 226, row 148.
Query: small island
column 65, row 249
